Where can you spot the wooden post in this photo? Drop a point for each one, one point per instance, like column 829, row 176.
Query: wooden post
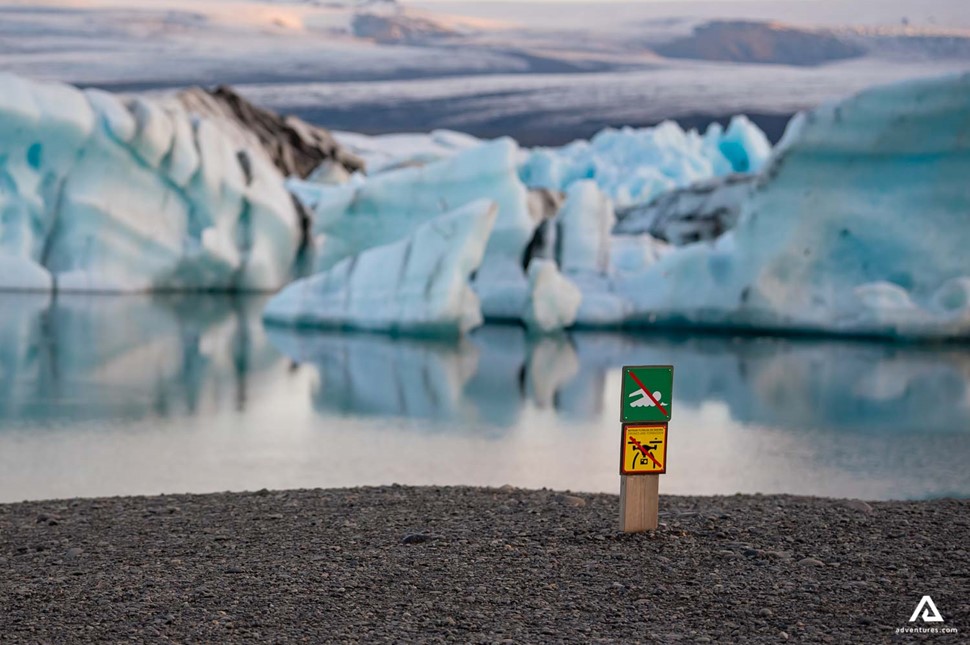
column 639, row 503
column 646, row 398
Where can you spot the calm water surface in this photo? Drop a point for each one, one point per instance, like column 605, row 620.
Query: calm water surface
column 103, row 395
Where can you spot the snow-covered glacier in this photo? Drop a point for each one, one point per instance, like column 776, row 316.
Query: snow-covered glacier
column 100, row 194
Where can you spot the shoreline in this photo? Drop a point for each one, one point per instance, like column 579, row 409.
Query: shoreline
column 463, row 564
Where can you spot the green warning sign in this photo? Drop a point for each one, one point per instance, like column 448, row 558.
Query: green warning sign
column 647, row 393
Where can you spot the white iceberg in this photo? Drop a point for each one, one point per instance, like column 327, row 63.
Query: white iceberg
column 584, row 226
column 855, row 224
column 553, row 299
column 858, row 225
column 102, row 195
column 635, row 165
column 417, row 285
column 351, row 218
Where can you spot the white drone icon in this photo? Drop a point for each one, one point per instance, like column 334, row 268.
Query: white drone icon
column 644, row 401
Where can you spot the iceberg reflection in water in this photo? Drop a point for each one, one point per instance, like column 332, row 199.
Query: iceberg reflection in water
column 799, row 384
column 75, row 357
column 121, row 395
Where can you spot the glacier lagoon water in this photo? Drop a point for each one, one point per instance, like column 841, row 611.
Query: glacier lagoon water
column 117, row 395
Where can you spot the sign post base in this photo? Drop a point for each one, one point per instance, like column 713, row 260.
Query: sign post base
column 639, row 503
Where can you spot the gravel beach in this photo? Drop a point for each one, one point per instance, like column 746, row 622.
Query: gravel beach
column 478, row 565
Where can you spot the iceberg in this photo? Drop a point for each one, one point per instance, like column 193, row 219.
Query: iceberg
column 417, row 285
column 553, row 299
column 103, row 194
column 584, row 226
column 700, row 212
column 635, row 165
column 351, row 218
column 857, row 225
column 389, row 206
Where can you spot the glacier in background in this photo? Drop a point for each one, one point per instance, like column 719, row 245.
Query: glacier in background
column 856, row 223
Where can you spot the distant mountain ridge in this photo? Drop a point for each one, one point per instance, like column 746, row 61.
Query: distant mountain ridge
column 761, row 42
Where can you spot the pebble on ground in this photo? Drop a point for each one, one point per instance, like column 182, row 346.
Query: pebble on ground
column 477, row 565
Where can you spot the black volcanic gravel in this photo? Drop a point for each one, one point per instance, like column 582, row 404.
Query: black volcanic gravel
column 477, row 565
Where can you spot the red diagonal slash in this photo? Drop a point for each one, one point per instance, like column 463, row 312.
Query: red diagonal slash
column 648, row 393
column 646, row 453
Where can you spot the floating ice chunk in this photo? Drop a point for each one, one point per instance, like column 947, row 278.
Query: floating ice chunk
column 349, row 219
column 584, row 225
column 97, row 199
column 744, row 145
column 417, row 285
column 857, row 226
column 633, row 166
column 545, row 168
column 582, row 242
column 553, row 299
column 353, row 217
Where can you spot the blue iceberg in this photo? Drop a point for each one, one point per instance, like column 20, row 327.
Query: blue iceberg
column 856, row 223
column 101, row 194
column 859, row 224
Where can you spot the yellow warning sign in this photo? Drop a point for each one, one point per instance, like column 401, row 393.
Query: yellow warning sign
column 644, row 449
